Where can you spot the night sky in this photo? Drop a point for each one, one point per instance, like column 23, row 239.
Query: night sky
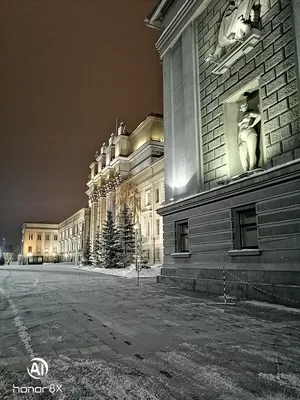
column 68, row 69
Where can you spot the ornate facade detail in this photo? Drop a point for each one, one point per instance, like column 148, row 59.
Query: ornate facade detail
column 101, row 191
column 110, row 186
column 238, row 20
column 118, row 178
column 115, row 180
column 103, row 148
column 111, row 139
column 238, row 33
column 94, row 196
column 122, row 129
column 247, row 137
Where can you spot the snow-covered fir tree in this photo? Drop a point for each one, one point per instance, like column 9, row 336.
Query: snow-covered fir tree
column 86, row 256
column 127, row 235
column 96, row 253
column 111, row 249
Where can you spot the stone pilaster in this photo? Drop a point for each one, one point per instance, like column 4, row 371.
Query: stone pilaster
column 111, row 202
column 94, row 212
column 101, row 208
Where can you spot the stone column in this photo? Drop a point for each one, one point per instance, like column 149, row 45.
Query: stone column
column 93, row 229
column 111, row 202
column 101, row 208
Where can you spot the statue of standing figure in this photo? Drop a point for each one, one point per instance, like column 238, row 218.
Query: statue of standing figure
column 247, row 137
column 103, row 148
column 111, row 139
column 122, row 129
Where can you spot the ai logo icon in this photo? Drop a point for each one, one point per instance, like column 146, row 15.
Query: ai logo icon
column 38, row 368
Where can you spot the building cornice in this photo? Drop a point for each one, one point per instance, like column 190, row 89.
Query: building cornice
column 153, row 16
column 268, row 178
column 190, row 10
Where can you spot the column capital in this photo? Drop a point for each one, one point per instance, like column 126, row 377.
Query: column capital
column 101, row 191
column 94, row 196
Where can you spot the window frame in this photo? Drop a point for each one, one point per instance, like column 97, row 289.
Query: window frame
column 157, row 195
column 237, row 227
column 179, row 248
column 157, row 227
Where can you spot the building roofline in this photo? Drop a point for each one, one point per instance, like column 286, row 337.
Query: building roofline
column 40, row 223
column 144, row 121
column 160, row 7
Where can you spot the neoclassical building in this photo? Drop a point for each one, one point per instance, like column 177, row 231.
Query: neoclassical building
column 131, row 161
column 40, row 239
column 232, row 145
column 72, row 235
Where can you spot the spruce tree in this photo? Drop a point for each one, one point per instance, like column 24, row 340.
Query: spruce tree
column 86, row 256
column 111, row 249
column 96, row 254
column 127, row 236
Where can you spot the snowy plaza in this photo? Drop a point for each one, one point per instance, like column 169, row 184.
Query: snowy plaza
column 104, row 337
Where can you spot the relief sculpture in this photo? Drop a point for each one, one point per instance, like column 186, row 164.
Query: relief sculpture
column 238, row 20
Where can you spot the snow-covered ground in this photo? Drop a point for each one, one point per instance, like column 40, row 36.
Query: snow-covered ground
column 129, row 272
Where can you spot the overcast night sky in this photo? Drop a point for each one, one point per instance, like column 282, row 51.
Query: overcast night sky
column 68, row 68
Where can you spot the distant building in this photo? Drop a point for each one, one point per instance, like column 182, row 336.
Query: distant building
column 130, row 160
column 134, row 159
column 72, row 235
column 7, row 252
column 40, row 239
column 232, row 145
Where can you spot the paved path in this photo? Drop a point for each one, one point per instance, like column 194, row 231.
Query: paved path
column 106, row 338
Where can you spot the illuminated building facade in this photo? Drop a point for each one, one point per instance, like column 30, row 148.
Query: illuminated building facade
column 131, row 160
column 40, row 239
column 72, row 236
column 232, row 145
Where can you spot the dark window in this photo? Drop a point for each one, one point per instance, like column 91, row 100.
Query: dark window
column 157, row 227
column 39, row 236
column 47, row 236
column 246, row 228
column 182, row 237
column 157, row 195
column 55, row 237
column 29, row 249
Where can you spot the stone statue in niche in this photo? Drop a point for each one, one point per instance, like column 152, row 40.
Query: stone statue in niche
column 248, row 137
column 103, row 148
column 122, row 129
column 239, row 18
